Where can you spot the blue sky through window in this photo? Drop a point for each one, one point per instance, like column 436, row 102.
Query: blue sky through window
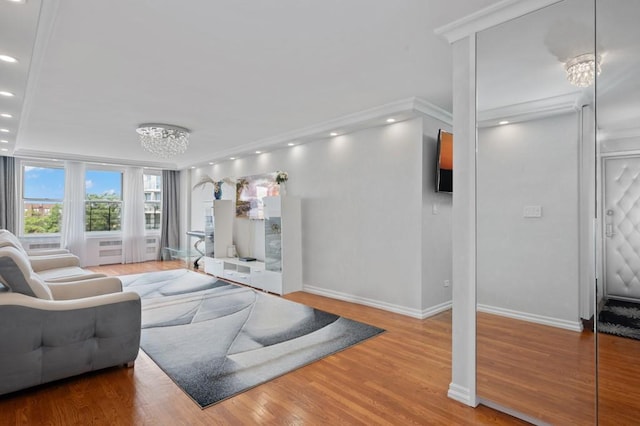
column 103, row 182
column 43, row 182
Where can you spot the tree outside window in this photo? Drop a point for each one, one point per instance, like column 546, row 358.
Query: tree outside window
column 42, row 196
column 103, row 201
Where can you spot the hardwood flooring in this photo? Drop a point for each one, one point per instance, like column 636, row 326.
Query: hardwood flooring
column 398, row 378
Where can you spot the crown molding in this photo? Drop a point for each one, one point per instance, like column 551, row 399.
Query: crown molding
column 488, row 17
column 402, row 110
column 618, row 134
column 532, row 110
column 46, row 24
column 44, row 155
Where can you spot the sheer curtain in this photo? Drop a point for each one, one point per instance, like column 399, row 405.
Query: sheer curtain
column 72, row 237
column 170, row 228
column 8, row 194
column 133, row 239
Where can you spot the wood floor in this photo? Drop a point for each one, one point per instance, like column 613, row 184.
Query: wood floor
column 398, row 378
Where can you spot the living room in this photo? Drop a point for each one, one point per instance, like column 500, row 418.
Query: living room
column 360, row 103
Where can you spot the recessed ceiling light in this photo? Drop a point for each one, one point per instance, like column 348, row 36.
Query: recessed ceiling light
column 258, row 152
column 333, row 134
column 5, row 115
column 7, row 94
column 18, row 1
column 391, row 120
column 4, row 130
column 232, row 158
column 503, row 122
column 7, row 58
column 291, row 144
column 4, row 141
column 211, row 163
column 4, row 149
column 193, row 167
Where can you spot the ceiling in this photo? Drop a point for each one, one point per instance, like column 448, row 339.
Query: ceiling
column 238, row 74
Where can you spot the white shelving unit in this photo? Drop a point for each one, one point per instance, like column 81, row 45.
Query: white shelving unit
column 283, row 271
column 219, row 216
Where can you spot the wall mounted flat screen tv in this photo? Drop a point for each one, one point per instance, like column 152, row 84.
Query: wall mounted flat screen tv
column 444, row 167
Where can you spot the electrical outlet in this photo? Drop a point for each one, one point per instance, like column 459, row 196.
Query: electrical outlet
column 446, row 283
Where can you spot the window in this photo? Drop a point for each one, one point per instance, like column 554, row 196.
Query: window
column 103, row 200
column 152, row 201
column 42, row 195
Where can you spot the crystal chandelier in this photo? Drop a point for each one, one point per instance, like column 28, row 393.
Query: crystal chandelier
column 582, row 70
column 163, row 140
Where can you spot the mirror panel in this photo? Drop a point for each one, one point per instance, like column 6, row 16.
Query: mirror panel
column 535, row 201
column 618, row 117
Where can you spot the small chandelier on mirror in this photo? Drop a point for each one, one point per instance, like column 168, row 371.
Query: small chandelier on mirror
column 582, row 70
column 163, row 140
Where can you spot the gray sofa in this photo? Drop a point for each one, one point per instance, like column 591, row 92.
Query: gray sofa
column 52, row 265
column 51, row 331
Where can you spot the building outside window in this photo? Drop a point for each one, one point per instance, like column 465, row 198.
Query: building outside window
column 103, row 200
column 42, row 199
column 152, row 201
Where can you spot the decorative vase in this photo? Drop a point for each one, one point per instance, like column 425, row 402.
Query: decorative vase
column 283, row 189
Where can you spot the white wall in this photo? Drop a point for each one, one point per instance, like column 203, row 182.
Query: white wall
column 436, row 224
column 529, row 265
column 362, row 212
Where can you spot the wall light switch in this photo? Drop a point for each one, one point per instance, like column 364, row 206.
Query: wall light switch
column 532, row 211
column 435, row 209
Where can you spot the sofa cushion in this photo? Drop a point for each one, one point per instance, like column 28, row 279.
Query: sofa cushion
column 17, row 275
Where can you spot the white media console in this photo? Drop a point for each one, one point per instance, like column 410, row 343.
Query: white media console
column 281, row 272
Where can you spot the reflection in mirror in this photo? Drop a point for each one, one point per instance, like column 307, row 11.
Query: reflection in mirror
column 535, row 201
column 618, row 97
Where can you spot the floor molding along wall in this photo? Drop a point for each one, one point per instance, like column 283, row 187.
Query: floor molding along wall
column 538, row 319
column 398, row 309
column 461, row 394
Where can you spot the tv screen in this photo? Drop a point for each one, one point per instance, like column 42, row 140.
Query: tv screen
column 444, row 168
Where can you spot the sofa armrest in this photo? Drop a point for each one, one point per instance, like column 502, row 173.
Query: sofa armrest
column 66, row 279
column 47, row 252
column 42, row 263
column 70, row 290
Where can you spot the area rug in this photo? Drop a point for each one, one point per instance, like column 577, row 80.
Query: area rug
column 620, row 318
column 216, row 339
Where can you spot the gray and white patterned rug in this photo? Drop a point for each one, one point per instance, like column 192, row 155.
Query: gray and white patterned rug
column 620, row 318
column 216, row 339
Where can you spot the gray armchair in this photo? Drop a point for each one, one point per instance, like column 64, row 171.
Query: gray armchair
column 51, row 331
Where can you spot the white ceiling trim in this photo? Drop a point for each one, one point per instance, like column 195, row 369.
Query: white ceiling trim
column 489, row 17
column 46, row 24
column 614, row 135
column 46, row 155
column 532, row 110
column 399, row 110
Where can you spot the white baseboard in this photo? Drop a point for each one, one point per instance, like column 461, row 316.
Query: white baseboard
column 538, row 319
column 403, row 310
column 461, row 394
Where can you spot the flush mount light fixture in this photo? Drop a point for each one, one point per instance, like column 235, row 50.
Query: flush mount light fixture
column 291, row 144
column 7, row 94
column 503, row 122
column 4, row 130
column 391, row 120
column 7, row 58
column 163, row 140
column 333, row 134
column 582, row 70
column 4, row 141
column 5, row 115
